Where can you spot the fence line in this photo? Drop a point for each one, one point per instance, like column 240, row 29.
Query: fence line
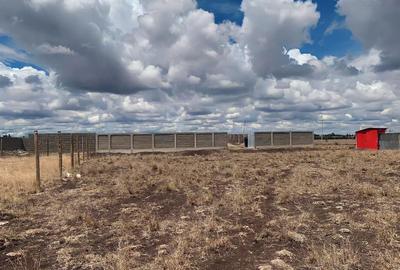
column 130, row 143
column 283, row 139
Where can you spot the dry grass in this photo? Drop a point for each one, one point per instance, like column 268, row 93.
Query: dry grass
column 17, row 175
column 325, row 208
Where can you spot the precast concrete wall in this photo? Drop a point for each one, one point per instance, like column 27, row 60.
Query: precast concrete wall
column 143, row 141
column 220, row 139
column 263, row 139
column 125, row 143
column 302, row 138
column 48, row 142
column 164, row 141
column 204, row 140
column 185, row 140
column 389, row 141
column 282, row 139
column 103, row 142
column 120, row 141
column 11, row 144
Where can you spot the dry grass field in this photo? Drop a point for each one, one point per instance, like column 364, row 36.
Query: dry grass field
column 17, row 175
column 328, row 208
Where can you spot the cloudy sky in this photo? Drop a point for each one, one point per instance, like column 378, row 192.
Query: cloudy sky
column 186, row 65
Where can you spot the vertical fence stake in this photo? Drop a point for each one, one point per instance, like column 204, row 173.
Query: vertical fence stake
column 83, row 147
column 1, row 146
column 60, row 155
column 72, row 152
column 37, row 161
column 78, row 150
column 47, row 145
column 87, row 147
column 195, row 140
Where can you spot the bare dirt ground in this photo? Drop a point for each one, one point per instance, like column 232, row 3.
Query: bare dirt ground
column 328, row 207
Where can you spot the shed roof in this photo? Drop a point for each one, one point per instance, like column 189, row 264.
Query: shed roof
column 371, row 128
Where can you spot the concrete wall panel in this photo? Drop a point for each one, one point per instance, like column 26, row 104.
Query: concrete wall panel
column 302, row 138
column 142, row 141
column 262, row 139
column 281, row 138
column 204, row 140
column 102, row 142
column 220, row 139
column 65, row 140
column 389, row 141
column 120, row 141
column 185, row 140
column 12, row 144
column 164, row 141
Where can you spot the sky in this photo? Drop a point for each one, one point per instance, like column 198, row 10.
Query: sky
column 186, row 65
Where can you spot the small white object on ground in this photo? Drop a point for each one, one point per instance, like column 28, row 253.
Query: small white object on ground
column 297, row 237
column 14, row 254
column 2, row 223
column 78, row 176
column 344, row 230
column 285, row 253
column 280, row 264
column 265, row 267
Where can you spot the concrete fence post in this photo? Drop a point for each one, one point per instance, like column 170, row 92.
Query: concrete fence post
column 109, row 143
column 60, row 154
column 175, row 141
column 47, row 145
column 195, row 140
column 272, row 138
column 152, row 141
column 131, row 143
column 72, row 152
column 213, row 139
column 290, row 138
column 37, row 161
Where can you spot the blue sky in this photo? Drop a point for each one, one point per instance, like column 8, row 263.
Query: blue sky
column 339, row 42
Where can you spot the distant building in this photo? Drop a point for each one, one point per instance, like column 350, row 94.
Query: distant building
column 369, row 138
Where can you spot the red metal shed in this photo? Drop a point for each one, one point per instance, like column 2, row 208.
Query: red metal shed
column 369, row 138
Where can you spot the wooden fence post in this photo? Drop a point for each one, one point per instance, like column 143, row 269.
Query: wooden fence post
column 87, row 147
column 37, row 161
column 1, row 146
column 60, row 154
column 83, row 147
column 78, row 150
column 72, row 152
column 47, row 145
